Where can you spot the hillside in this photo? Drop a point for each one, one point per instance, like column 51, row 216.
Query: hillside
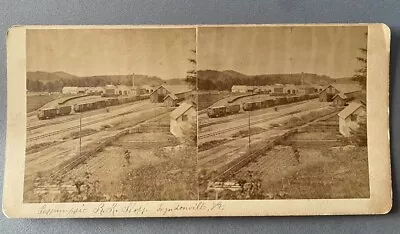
column 224, row 80
column 55, row 81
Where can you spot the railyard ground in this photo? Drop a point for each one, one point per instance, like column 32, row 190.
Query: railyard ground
column 160, row 167
column 313, row 162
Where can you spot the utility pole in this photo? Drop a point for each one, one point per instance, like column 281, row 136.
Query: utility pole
column 80, row 136
column 249, row 133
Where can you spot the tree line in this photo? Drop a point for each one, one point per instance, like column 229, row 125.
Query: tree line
column 57, row 85
column 215, row 83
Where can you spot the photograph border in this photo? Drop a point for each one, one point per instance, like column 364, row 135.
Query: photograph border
column 380, row 201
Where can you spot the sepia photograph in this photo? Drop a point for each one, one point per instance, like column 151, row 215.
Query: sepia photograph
column 282, row 112
column 111, row 115
column 197, row 120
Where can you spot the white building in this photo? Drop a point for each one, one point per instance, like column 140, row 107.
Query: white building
column 350, row 117
column 73, row 90
column 239, row 89
column 182, row 119
column 123, row 90
column 290, row 89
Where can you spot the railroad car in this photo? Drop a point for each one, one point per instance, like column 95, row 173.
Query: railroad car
column 64, row 110
column 101, row 103
column 249, row 106
column 232, row 109
column 289, row 99
column 81, row 107
column 267, row 103
column 215, row 112
column 47, row 113
column 113, row 101
column 258, row 105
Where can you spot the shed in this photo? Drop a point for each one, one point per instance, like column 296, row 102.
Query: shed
column 182, row 119
column 181, row 91
column 350, row 117
column 327, row 94
column 340, row 99
column 171, row 100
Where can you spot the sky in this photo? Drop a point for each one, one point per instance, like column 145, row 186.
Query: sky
column 87, row 52
column 321, row 50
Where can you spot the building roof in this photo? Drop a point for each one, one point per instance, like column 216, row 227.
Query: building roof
column 345, row 88
column 123, row 87
column 350, row 109
column 341, row 95
column 109, row 87
column 173, row 96
column 180, row 110
column 239, row 87
column 175, row 89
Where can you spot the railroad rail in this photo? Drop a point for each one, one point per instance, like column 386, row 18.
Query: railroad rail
column 85, row 124
column 64, row 169
column 245, row 125
column 72, row 117
column 247, row 159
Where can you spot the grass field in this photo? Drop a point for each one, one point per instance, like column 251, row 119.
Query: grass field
column 172, row 179
column 207, row 99
column 34, row 102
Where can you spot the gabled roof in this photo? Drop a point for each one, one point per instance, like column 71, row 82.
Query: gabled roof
column 341, row 95
column 180, row 110
column 350, row 109
column 173, row 96
column 345, row 88
column 175, row 89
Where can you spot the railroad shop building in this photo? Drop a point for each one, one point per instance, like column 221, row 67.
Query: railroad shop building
column 182, row 92
column 182, row 119
column 350, row 117
column 329, row 92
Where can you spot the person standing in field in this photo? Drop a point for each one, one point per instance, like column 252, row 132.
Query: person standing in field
column 128, row 157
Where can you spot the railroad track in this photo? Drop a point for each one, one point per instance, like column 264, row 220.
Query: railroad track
column 245, row 125
column 206, row 121
column 247, row 159
column 72, row 117
column 63, row 170
column 85, row 124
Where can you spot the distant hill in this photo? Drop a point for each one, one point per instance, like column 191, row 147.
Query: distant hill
column 224, row 80
column 55, row 81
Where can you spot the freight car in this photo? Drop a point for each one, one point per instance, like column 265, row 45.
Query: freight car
column 249, row 106
column 232, row 109
column 101, row 103
column 47, row 113
column 289, row 99
column 81, row 107
column 267, row 103
column 215, row 112
column 64, row 110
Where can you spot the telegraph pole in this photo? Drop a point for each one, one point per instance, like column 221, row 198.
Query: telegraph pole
column 80, row 136
column 249, row 133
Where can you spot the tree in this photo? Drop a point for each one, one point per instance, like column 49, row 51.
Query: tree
column 360, row 75
column 191, row 76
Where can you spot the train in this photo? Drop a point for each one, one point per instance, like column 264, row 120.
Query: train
column 220, row 111
column 62, row 110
